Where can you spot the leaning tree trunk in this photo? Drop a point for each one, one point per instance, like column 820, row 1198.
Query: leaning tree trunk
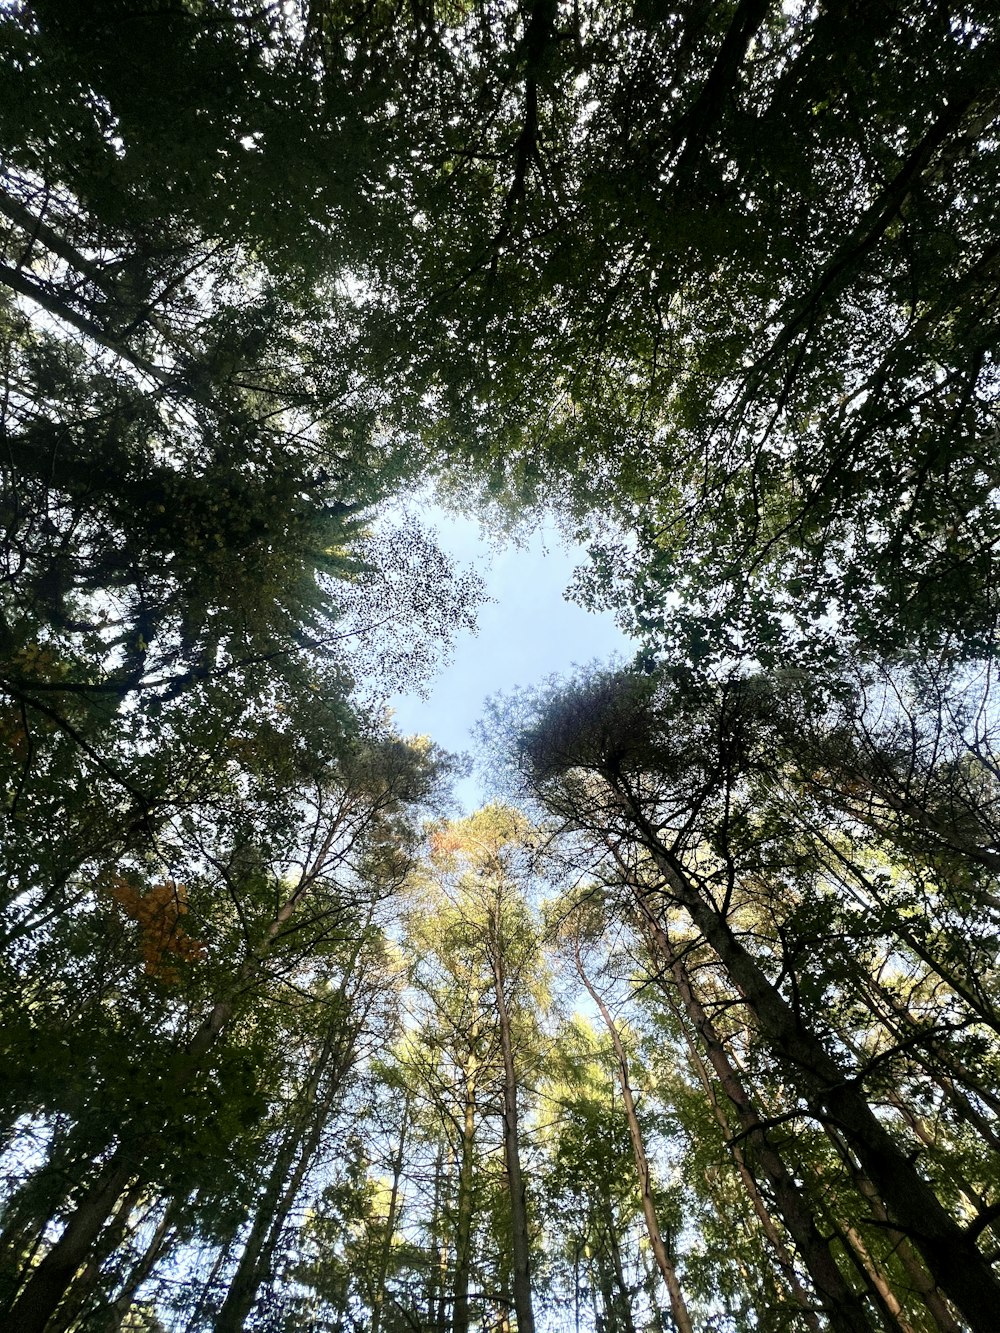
column 955, row 1261
column 294, row 1156
column 45, row 1290
column 86, row 1282
column 919, row 1280
column 786, row 1263
column 220, row 1261
column 951, row 1075
column 678, row 1306
column 127, row 1166
column 158, row 1242
column 841, row 1304
column 298, row 1148
column 893, row 1315
column 250, row 1270
column 34, row 1206
column 131, row 1160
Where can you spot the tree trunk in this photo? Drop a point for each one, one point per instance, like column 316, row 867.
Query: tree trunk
column 129, row 1161
column 786, row 1263
column 466, row 1187
column 298, row 1146
column 219, row 1263
column 437, row 1286
column 378, row 1297
column 48, row 1284
column 678, row 1307
column 840, row 1302
column 920, row 1280
column 141, row 1271
column 961, row 1182
column 34, row 1206
column 87, row 1280
column 965, row 988
column 893, row 1313
column 953, row 1258
column 512, row 1154
column 625, row 1296
column 947, row 1070
column 245, row 1282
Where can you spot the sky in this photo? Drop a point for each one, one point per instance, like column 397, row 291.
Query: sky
column 528, row 631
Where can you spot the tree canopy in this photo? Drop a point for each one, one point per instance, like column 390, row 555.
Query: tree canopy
column 695, row 1024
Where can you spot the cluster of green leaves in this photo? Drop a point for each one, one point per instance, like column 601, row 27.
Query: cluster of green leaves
column 727, row 274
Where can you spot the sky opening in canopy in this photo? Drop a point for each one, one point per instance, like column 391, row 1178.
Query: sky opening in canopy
column 527, row 630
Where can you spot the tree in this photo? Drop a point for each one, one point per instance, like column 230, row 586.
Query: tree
column 456, row 1067
column 577, row 930
column 658, row 770
column 352, row 842
column 483, row 849
column 343, row 1014
column 588, row 1193
column 721, row 274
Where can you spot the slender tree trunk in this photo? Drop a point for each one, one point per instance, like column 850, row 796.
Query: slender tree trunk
column 378, row 1298
column 625, row 1296
column 292, row 1160
column 518, row 1203
column 141, row 1271
column 293, row 1186
column 576, row 1288
column 920, row 1280
column 86, row 1281
column 943, row 1066
column 953, row 1258
column 33, row 1207
column 760, row 1283
column 883, row 785
column 21, row 1241
column 606, row 1286
column 924, row 1134
column 967, row 988
column 466, row 1187
column 220, row 1261
column 129, row 1161
column 786, row 1262
column 127, row 1164
column 840, row 1302
column 893, row 1316
column 594, row 1284
column 504, row 1302
column 245, row 1282
column 652, row 1282
column 46, row 1288
column 678, row 1306
column 437, row 1297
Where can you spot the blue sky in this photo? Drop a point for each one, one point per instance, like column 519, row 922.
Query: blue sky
column 528, row 631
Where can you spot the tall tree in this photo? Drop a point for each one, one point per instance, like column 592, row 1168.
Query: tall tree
column 353, row 841
column 576, row 929
column 657, row 770
column 483, row 848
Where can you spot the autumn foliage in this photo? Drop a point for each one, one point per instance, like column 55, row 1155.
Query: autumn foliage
column 163, row 941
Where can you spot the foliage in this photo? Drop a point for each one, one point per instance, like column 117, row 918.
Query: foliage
column 286, row 1044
